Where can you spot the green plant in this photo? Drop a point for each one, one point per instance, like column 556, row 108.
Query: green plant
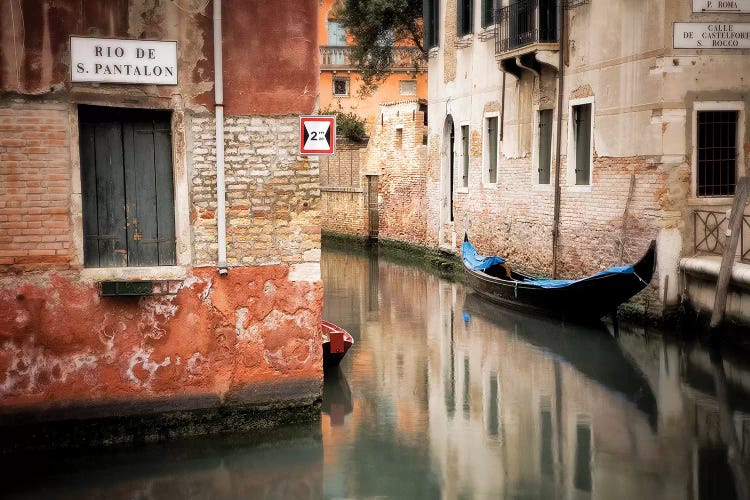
column 348, row 125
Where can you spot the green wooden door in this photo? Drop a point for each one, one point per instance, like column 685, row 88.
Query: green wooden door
column 127, row 187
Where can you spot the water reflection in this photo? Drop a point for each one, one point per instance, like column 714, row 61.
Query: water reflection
column 446, row 396
column 453, row 397
column 287, row 463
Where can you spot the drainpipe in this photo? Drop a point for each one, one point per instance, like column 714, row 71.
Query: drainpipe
column 502, row 108
column 221, row 219
column 560, row 80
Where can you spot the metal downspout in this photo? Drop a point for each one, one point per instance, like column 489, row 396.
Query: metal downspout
column 560, row 81
column 221, row 221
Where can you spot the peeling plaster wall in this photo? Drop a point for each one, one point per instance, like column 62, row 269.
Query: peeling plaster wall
column 251, row 337
column 65, row 345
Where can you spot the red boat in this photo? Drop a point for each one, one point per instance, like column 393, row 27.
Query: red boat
column 336, row 341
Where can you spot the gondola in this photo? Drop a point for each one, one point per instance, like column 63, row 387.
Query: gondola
column 583, row 299
column 336, row 342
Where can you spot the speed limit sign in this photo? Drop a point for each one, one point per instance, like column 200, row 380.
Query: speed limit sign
column 317, row 135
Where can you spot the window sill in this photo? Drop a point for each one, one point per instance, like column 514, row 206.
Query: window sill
column 462, row 190
column 712, row 201
column 542, row 187
column 464, row 41
column 490, row 185
column 576, row 188
column 134, row 273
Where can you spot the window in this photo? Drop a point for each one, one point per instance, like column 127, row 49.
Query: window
column 431, row 20
column 399, row 138
column 465, row 155
column 717, row 138
column 544, row 153
column 127, row 187
column 464, row 17
column 491, row 149
column 407, row 87
column 336, row 34
column 340, row 86
column 488, row 13
column 580, row 151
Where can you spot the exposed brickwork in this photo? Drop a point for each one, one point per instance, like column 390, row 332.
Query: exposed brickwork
column 273, row 195
column 345, row 211
column 35, row 188
column 397, row 150
column 450, row 57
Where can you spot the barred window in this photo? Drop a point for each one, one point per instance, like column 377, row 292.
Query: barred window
column 340, row 86
column 717, row 152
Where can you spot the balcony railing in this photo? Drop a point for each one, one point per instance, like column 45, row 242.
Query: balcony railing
column 709, row 229
column 524, row 23
column 332, row 57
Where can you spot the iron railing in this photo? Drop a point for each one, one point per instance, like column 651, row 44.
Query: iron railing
column 340, row 57
column 709, row 233
column 524, row 23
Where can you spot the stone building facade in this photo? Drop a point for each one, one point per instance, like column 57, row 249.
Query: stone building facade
column 113, row 294
column 637, row 107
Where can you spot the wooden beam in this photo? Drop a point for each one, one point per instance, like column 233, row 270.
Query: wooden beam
column 730, row 250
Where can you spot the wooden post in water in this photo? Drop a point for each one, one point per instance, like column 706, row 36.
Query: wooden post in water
column 730, row 250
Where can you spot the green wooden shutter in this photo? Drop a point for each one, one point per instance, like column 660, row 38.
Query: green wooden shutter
column 582, row 124
column 127, row 188
column 545, row 145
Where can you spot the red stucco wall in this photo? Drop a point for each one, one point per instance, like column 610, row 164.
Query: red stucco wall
column 270, row 57
column 65, row 345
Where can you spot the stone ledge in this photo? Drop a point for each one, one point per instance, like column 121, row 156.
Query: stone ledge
column 708, row 267
column 332, row 189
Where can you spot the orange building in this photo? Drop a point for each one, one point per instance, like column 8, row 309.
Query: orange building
column 340, row 81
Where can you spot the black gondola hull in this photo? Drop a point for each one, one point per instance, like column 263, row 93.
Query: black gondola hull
column 587, row 299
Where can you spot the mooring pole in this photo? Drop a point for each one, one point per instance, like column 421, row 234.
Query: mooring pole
column 730, row 250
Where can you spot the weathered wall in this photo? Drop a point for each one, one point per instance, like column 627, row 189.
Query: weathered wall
column 35, row 225
column 252, row 336
column 35, row 53
column 273, row 195
column 396, row 150
column 644, row 94
column 367, row 106
column 344, row 190
column 218, row 338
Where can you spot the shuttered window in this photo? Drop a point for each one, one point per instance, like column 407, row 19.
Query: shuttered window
column 464, row 17
column 465, row 156
column 582, row 138
column 492, row 149
column 431, row 20
column 126, row 187
column 488, row 13
column 545, row 145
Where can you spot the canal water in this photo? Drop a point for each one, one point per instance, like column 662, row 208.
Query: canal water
column 444, row 395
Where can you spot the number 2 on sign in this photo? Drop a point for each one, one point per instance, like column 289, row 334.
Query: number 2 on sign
column 317, row 136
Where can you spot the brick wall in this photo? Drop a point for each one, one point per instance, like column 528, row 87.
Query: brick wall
column 35, row 188
column 343, row 190
column 397, row 151
column 273, row 195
